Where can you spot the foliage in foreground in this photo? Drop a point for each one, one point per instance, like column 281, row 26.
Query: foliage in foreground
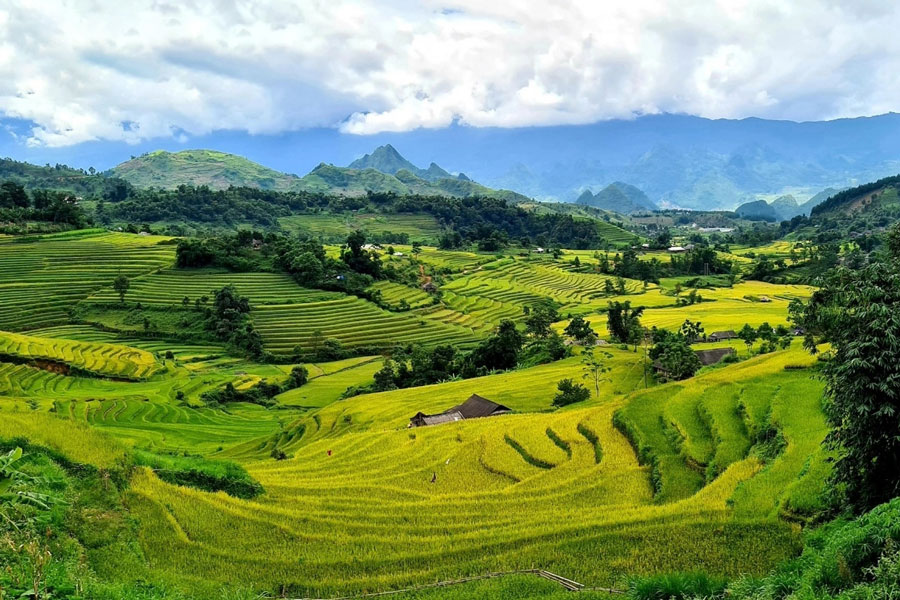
column 858, row 313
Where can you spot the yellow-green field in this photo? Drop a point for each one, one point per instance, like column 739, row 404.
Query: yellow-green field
column 641, row 478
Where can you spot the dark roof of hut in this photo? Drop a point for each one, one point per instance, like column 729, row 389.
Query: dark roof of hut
column 711, row 357
column 476, row 407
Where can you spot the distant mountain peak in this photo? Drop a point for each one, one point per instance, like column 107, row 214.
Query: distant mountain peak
column 619, row 197
column 387, row 159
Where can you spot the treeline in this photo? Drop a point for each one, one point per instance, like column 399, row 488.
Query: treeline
column 220, row 207
column 305, row 260
column 700, row 260
column 79, row 182
column 468, row 220
column 18, row 204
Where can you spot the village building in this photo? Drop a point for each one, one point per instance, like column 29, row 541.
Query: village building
column 429, row 287
column 713, row 356
column 677, row 249
column 475, row 407
column 718, row 336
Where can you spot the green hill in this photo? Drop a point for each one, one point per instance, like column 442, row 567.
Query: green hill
column 218, row 170
column 384, row 171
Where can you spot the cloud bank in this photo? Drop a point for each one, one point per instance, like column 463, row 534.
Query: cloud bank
column 132, row 71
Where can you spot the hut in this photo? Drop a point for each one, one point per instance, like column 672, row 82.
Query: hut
column 475, row 407
column 718, row 336
column 713, row 356
column 429, row 287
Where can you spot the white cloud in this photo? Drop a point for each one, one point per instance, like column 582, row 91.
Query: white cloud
column 135, row 70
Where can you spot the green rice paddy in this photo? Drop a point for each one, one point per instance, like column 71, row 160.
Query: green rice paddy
column 642, row 478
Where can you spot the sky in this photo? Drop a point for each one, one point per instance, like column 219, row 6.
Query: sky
column 79, row 72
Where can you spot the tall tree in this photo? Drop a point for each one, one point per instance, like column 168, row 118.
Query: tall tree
column 121, row 285
column 623, row 321
column 858, row 313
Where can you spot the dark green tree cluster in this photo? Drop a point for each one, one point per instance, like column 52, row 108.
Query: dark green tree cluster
column 18, row 205
column 415, row 365
column 229, row 320
column 624, row 322
column 672, row 351
column 858, row 313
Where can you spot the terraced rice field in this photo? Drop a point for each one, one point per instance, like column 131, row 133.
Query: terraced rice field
column 42, row 279
column 509, row 491
column 420, row 227
column 353, row 322
column 108, row 360
column 634, row 480
column 528, row 282
column 170, row 287
column 395, row 293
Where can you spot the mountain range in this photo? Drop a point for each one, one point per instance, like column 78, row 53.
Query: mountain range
column 784, row 207
column 676, row 160
column 385, row 170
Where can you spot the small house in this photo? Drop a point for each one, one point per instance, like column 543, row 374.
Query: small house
column 475, row 407
column 713, row 356
column 718, row 336
column 765, row 299
column 677, row 249
column 539, row 250
column 429, row 287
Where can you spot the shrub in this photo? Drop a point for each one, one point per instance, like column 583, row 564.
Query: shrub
column 570, row 393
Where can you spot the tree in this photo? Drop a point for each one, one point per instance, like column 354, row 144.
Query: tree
column 766, row 333
column 13, row 195
column 691, row 331
column 593, row 363
column 570, row 393
column 121, row 285
column 858, row 313
column 622, row 321
column 676, row 357
column 580, row 330
column 540, row 319
column 385, row 377
column 749, row 335
column 498, row 352
column 307, row 269
column 299, row 376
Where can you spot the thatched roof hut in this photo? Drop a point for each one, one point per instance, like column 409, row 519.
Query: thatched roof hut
column 713, row 356
column 475, row 407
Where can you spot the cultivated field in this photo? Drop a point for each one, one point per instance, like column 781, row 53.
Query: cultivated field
column 716, row 473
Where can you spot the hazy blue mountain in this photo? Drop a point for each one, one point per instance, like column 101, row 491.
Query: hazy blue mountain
column 617, row 197
column 676, row 160
column 786, row 207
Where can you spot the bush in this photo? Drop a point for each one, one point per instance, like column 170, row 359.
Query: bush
column 570, row 393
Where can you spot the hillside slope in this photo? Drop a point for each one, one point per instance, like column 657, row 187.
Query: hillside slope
column 218, row 170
